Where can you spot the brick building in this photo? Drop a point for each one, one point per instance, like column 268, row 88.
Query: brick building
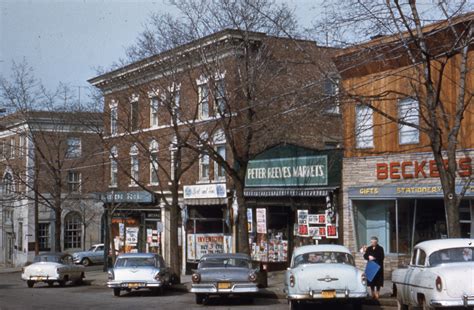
column 184, row 97
column 52, row 158
column 391, row 185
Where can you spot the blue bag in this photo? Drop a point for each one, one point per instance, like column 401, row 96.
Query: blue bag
column 371, row 270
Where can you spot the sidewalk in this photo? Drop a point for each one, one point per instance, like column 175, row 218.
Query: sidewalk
column 9, row 269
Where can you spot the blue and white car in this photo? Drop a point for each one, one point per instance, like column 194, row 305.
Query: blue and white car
column 324, row 273
column 134, row 271
column 95, row 255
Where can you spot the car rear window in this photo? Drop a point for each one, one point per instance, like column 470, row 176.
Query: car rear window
column 323, row 258
column 135, row 262
column 224, row 263
column 47, row 258
column 452, row 255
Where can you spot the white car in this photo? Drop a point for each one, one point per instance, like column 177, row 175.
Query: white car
column 440, row 274
column 323, row 273
column 52, row 267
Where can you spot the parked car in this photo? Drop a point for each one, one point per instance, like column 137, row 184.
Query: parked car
column 52, row 267
column 322, row 273
column 95, row 255
column 440, row 274
column 134, row 271
column 224, row 275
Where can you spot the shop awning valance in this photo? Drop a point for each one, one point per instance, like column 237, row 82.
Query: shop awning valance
column 288, row 192
column 205, row 201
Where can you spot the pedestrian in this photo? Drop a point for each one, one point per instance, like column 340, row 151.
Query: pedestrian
column 374, row 252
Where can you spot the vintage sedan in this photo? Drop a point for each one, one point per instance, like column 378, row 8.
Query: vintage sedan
column 440, row 274
column 52, row 267
column 324, row 273
column 95, row 255
column 224, row 275
column 134, row 271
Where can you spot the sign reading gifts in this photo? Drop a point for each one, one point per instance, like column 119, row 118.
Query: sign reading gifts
column 293, row 171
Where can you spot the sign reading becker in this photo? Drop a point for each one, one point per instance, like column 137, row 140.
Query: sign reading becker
column 419, row 169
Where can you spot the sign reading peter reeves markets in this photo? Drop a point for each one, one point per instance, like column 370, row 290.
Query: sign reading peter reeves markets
column 294, row 171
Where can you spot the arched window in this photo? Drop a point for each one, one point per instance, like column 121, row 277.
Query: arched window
column 134, row 165
column 72, row 231
column 8, row 183
column 113, row 167
column 154, row 162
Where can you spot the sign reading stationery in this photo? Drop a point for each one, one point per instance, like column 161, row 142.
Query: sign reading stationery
column 293, row 171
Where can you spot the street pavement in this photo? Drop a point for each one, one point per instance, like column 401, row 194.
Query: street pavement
column 14, row 294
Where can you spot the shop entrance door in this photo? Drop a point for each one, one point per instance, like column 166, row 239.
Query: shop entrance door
column 153, row 236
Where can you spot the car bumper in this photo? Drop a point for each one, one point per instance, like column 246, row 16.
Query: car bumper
column 464, row 301
column 237, row 288
column 40, row 278
column 318, row 295
column 134, row 284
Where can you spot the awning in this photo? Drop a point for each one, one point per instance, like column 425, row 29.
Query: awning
column 288, row 192
column 205, row 201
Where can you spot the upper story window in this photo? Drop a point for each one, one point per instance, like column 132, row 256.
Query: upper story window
column 8, row 186
column 134, row 166
column 364, row 127
column 21, row 145
column 154, row 167
column 408, row 111
column 175, row 93
column 74, row 147
column 154, row 106
column 331, row 91
column 173, row 150
column 204, row 167
column 113, row 117
column 220, row 95
column 113, row 167
column 220, row 146
column 12, row 148
column 134, row 113
column 203, row 98
column 74, row 181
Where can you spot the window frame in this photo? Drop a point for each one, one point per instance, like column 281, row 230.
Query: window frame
column 203, row 84
column 44, row 236
column 134, row 163
column 154, row 108
column 74, row 150
column 220, row 97
column 365, row 128
column 74, row 186
column 404, row 129
column 219, row 171
column 73, row 230
column 134, row 113
column 154, row 164
column 113, row 167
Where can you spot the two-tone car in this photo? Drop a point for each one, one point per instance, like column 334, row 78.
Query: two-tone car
column 324, row 273
column 95, row 255
column 224, row 275
column 440, row 274
column 134, row 271
column 52, row 267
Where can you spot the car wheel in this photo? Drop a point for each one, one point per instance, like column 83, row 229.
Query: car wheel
column 424, row 305
column 62, row 283
column 86, row 262
column 116, row 292
column 293, row 305
column 200, row 299
column 50, row 283
column 401, row 306
column 30, row 283
column 158, row 291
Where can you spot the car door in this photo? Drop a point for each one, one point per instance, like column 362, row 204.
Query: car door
column 405, row 288
column 98, row 254
column 419, row 282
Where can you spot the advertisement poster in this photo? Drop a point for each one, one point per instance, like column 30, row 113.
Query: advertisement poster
column 331, row 232
column 202, row 244
column 131, row 236
column 303, row 230
column 322, row 219
column 313, row 219
column 302, row 217
column 250, row 220
column 261, row 221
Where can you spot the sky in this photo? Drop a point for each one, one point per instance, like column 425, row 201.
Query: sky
column 65, row 41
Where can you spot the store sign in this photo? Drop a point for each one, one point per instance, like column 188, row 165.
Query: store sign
column 294, row 171
column 205, row 191
column 404, row 190
column 199, row 245
column 419, row 169
column 127, row 197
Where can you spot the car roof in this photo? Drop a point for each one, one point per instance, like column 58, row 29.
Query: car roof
column 439, row 244
column 320, row 248
column 53, row 254
column 146, row 255
column 98, row 244
column 226, row 255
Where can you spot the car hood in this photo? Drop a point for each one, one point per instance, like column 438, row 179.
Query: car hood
column 224, row 274
column 458, row 278
column 135, row 273
column 327, row 277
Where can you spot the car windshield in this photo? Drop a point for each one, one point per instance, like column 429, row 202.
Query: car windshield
column 323, row 258
column 92, row 248
column 224, row 262
column 135, row 262
column 47, row 258
column 453, row 255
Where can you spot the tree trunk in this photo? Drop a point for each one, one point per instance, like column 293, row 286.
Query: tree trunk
column 57, row 228
column 109, row 233
column 174, row 222
column 242, row 222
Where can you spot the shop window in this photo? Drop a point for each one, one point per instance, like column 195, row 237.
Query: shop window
column 364, row 127
column 203, row 99
column 113, row 167
column 154, row 166
column 44, row 237
column 74, row 148
column 408, row 112
column 74, row 181
column 72, row 231
column 154, row 105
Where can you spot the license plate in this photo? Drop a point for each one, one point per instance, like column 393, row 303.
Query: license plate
column 39, row 278
column 328, row 294
column 133, row 285
column 224, row 285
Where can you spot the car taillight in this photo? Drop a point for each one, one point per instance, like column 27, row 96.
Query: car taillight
column 157, row 277
column 196, row 277
column 110, row 275
column 364, row 279
column 252, row 277
column 292, row 280
column 439, row 284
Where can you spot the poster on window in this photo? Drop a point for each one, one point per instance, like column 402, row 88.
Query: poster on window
column 331, row 232
column 202, row 244
column 313, row 219
column 131, row 236
column 313, row 232
column 250, row 220
column 302, row 217
column 303, row 230
column 261, row 221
